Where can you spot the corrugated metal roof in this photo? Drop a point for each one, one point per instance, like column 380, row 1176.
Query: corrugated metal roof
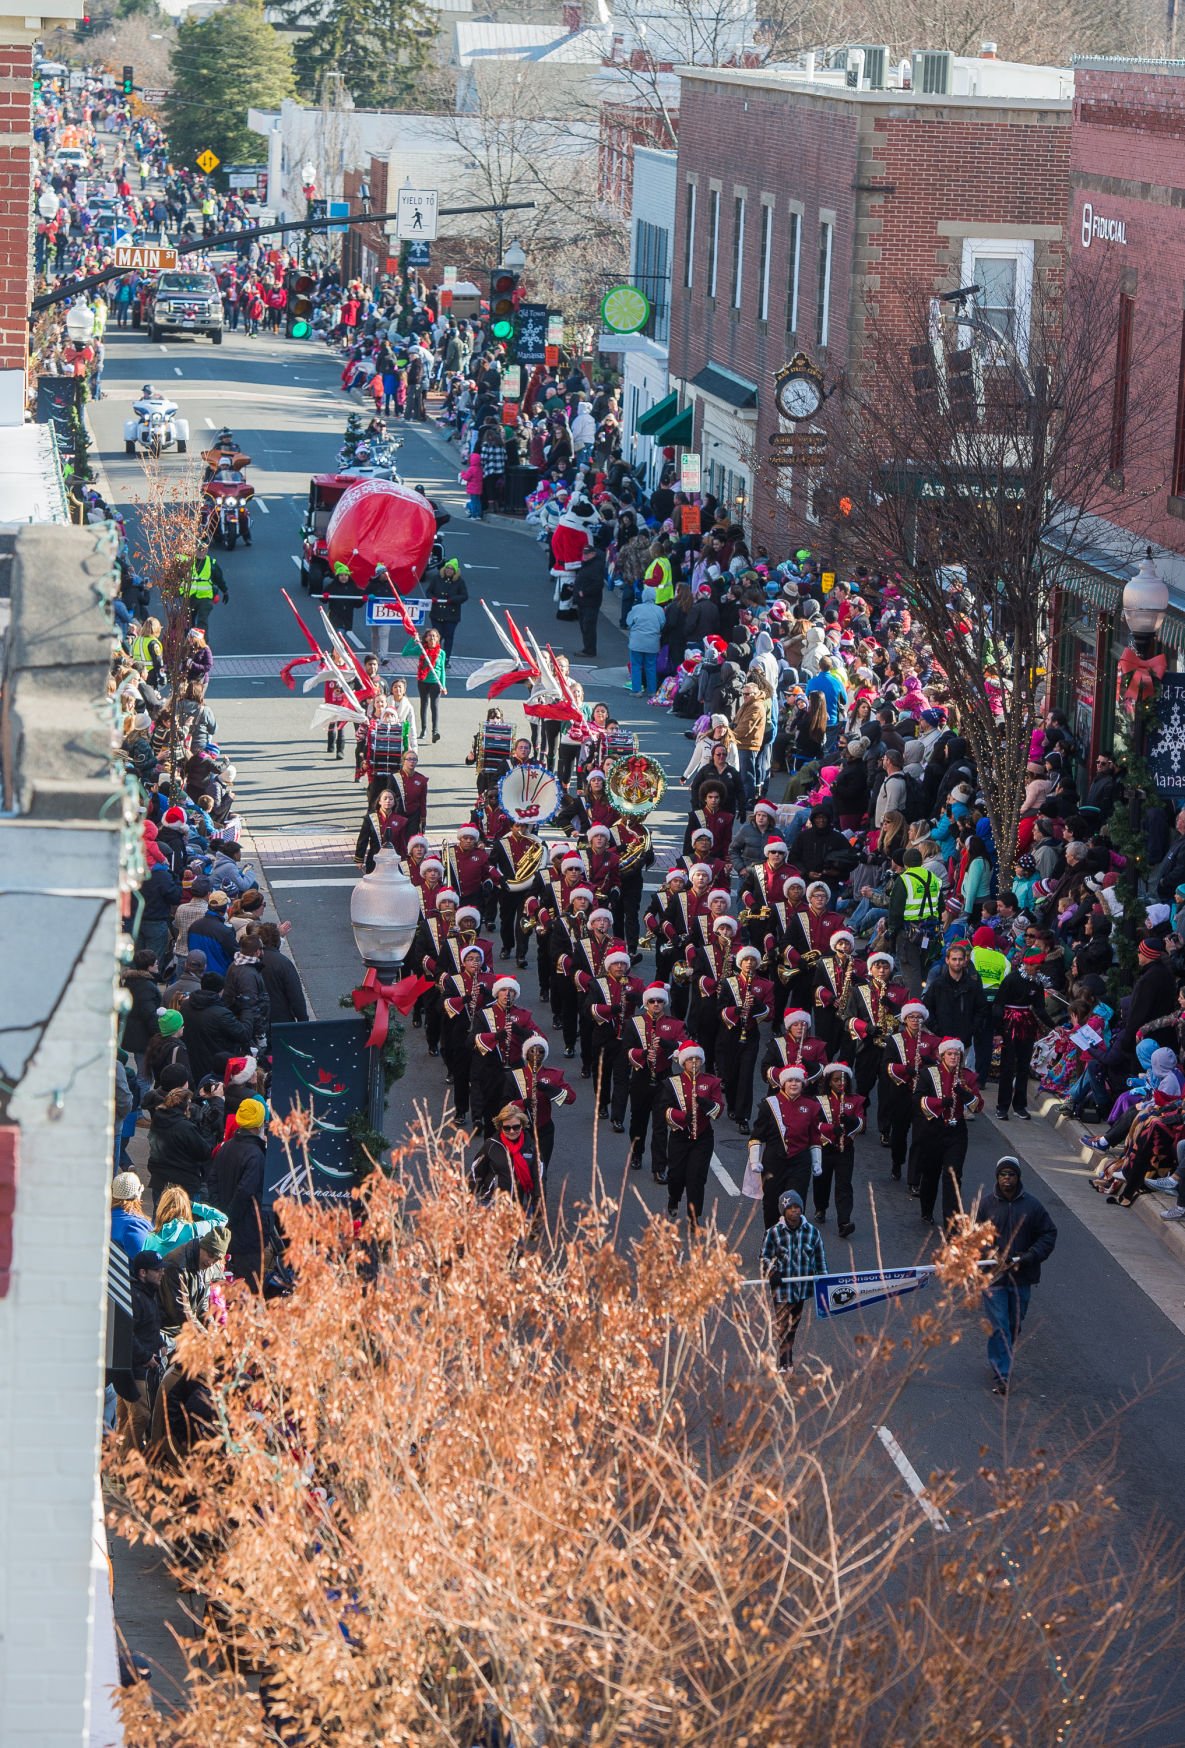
column 526, row 42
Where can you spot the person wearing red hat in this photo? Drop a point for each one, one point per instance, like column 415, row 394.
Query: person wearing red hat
column 746, row 1001
column 907, row 1052
column 787, row 1143
column 1020, row 1004
column 649, row 1042
column 689, row 1104
column 567, row 930
column 500, row 1030
column 946, row 1096
column 609, row 1005
column 537, row 1091
column 874, row 1014
column 792, row 1046
column 843, row 1119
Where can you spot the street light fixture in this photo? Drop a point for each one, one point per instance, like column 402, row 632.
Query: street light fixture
column 1145, row 603
column 515, row 256
column 384, row 914
column 48, row 204
column 80, row 323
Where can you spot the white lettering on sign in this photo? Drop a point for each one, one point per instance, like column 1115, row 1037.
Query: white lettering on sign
column 148, row 260
column 1096, row 228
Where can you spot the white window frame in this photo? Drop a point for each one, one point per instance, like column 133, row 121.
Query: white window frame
column 740, row 207
column 823, row 314
column 1017, row 249
column 689, row 241
column 713, row 238
column 767, row 249
column 810, row 479
column 794, row 235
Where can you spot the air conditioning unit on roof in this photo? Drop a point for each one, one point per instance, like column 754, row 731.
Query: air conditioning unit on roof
column 876, row 66
column 931, row 72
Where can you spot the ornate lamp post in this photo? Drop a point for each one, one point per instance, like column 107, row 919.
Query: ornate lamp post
column 384, row 912
column 1145, row 603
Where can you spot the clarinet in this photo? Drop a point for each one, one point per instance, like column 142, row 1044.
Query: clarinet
column 746, row 1008
column 651, row 1047
column 693, row 1103
column 618, row 1006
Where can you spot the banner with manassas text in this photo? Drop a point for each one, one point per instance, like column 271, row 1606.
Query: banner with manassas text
column 835, row 1294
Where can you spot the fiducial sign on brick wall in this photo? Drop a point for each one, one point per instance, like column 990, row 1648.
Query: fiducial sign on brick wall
column 1096, row 228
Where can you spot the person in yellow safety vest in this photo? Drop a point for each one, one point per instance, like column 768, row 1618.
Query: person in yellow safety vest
column 992, row 965
column 660, row 576
column 148, row 650
column 209, row 212
column 914, row 918
column 99, row 311
column 204, row 585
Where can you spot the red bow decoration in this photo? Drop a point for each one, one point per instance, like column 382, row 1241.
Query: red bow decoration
column 1144, row 671
column 382, row 997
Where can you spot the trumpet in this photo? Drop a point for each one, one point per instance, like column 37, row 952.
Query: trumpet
column 755, row 916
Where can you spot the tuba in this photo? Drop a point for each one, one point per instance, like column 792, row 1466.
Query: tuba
column 635, row 785
column 632, row 857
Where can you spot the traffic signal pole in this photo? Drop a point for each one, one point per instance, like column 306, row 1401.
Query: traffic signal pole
column 195, row 245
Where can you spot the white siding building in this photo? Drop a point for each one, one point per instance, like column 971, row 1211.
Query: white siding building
column 652, row 247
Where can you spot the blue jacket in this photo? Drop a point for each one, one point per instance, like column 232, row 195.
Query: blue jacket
column 834, row 691
column 130, row 1231
column 646, row 622
column 216, row 939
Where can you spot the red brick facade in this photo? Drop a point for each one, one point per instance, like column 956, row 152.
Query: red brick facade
column 16, row 201
column 903, row 183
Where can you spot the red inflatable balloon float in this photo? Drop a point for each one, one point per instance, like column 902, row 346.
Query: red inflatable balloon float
column 376, row 522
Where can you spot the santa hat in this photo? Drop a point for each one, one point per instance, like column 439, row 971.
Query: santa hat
column 726, row 922
column 602, row 915
column 915, row 1010
column 843, row 935
column 819, row 886
column 599, row 831
column 446, row 895
column 795, row 1071
column 418, row 839
column 432, row 862
column 537, row 1042
column 619, row 956
column 656, row 992
column 582, row 892
column 701, row 831
column 688, row 1051
column 679, row 873
column 468, row 910
column 561, row 847
column 952, row 1044
column 571, row 862
column 748, row 953
column 793, row 880
column 595, row 772
column 878, row 959
column 468, row 831
column 701, row 868
column 796, row 1017
column 501, row 983
column 240, row 1069
column 777, row 847
column 765, row 807
column 718, row 892
column 174, row 816
column 473, row 947
column 836, row 1068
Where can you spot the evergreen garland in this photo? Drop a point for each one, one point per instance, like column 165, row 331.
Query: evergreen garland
column 1127, row 831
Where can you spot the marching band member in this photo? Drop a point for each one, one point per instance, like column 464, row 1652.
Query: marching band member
column 467, row 867
column 711, row 813
column 516, row 859
column 843, row 1120
column 411, row 795
column 382, row 829
column 430, row 956
column 875, row 1014
column 545, row 898
column 794, row 1047
column 835, row 981
column 712, row 964
column 566, row 929
column 763, row 887
column 463, row 995
column 537, row 1090
column 635, row 855
column 413, row 860
column 703, row 854
column 690, row 1102
column 431, row 884
column 667, row 919
column 588, row 953
column 787, row 1144
column 947, row 1095
column 604, row 874
column 808, row 936
column 608, row 1007
column 745, row 1001
column 651, row 1038
column 500, row 1029
column 907, row 1052
column 490, row 817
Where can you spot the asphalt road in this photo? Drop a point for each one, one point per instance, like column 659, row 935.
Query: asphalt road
column 1100, row 1358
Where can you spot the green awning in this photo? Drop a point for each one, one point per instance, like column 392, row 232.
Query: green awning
column 658, row 415
column 678, row 431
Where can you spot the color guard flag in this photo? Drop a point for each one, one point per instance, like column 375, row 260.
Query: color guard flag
column 835, row 1294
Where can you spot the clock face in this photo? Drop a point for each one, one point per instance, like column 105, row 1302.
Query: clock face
column 799, row 397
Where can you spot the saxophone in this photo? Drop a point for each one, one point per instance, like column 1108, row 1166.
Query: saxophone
column 651, row 1030
column 746, row 1007
column 693, row 1102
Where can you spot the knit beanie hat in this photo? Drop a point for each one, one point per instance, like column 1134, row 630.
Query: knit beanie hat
column 126, row 1187
column 251, row 1114
column 169, row 1022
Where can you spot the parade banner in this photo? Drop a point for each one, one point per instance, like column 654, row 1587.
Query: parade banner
column 321, row 1066
column 1166, row 740
column 835, row 1294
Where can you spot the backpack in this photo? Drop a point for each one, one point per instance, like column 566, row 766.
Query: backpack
column 914, row 806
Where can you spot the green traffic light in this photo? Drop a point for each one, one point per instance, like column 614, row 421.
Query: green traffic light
column 502, row 330
column 300, row 330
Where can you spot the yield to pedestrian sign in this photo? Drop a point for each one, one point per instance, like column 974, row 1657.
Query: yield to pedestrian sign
column 417, row 214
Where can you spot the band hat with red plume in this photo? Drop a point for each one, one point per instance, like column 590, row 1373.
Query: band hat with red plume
column 510, row 983
column 915, row 1010
column 657, row 992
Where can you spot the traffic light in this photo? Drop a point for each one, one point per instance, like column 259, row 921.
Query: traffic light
column 298, row 317
column 129, row 81
column 36, row 85
column 503, row 285
column 961, row 387
column 925, row 379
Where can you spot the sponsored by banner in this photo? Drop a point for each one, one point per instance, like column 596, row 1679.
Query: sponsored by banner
column 835, row 1294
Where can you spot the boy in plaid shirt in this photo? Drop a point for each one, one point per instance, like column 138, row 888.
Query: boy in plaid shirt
column 793, row 1249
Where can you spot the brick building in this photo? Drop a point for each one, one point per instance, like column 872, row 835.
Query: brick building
column 1127, row 205
column 802, row 201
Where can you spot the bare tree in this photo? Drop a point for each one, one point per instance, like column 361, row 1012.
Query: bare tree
column 977, row 458
column 170, row 525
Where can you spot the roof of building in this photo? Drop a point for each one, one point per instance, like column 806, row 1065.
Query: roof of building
column 1058, row 83
column 527, row 42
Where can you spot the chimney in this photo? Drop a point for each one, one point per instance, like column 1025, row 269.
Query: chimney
column 987, row 51
column 573, row 17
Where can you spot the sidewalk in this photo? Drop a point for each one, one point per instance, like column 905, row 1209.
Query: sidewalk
column 1148, row 1249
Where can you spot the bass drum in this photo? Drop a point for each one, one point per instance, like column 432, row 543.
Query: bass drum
column 530, row 794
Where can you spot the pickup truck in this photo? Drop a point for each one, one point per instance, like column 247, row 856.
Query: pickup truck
column 184, row 302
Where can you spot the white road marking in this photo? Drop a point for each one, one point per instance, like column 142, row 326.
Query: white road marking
column 344, row 880
column 493, row 567
column 725, row 1177
column 296, row 561
column 164, row 348
column 355, row 640
column 261, row 503
column 909, row 1475
column 176, row 370
column 209, row 424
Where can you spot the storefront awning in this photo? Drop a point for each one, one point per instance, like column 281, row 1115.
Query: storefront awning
column 658, row 415
column 679, row 431
column 726, row 386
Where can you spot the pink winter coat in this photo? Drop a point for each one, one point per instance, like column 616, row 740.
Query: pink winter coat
column 473, row 475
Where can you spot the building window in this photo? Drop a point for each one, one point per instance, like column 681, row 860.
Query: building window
column 823, row 312
column 1122, row 389
column 767, row 238
column 713, row 238
column 794, row 260
column 738, row 250
column 1179, row 437
column 1003, row 272
column 811, row 481
column 652, row 276
column 689, row 240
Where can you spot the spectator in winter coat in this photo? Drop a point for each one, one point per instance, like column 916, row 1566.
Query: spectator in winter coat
column 245, row 992
column 139, row 1025
column 160, row 895
column 130, row 1226
column 188, row 979
column 211, row 1031
column 167, row 1049
column 188, row 1273
column 588, row 591
column 187, row 913
column 957, row 1001
column 214, row 935
column 285, row 992
column 178, row 1152
column 228, row 871
column 645, row 627
column 237, row 1185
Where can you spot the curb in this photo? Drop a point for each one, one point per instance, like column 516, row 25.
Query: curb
column 1146, row 1208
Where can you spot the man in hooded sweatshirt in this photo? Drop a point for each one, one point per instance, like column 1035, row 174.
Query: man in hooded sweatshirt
column 1025, row 1237
column 645, row 624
